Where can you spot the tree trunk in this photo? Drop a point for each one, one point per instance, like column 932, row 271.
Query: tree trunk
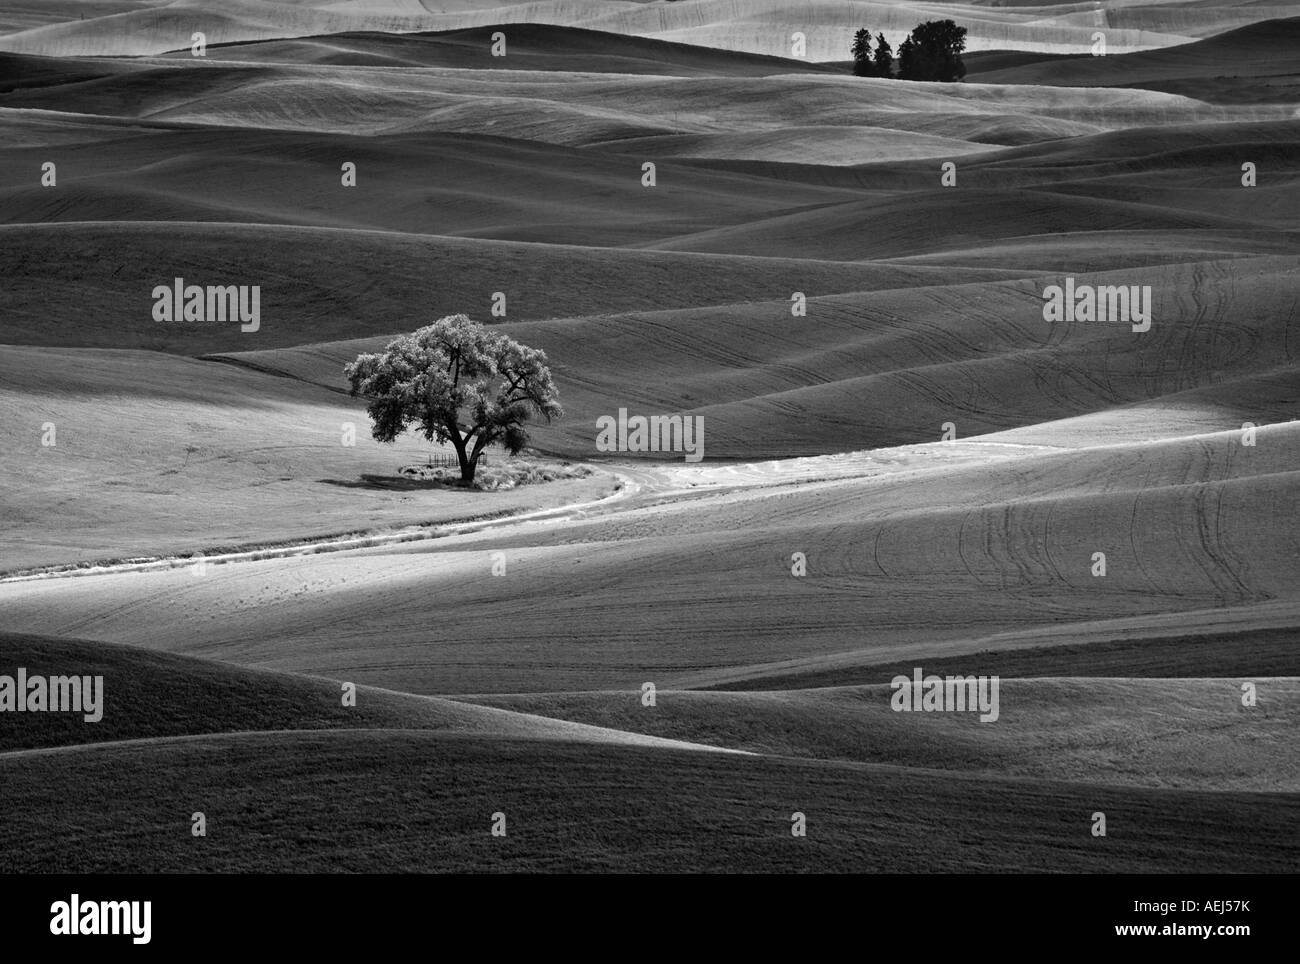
column 474, row 454
column 468, row 463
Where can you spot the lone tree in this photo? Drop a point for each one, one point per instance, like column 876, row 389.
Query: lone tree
column 933, row 52
column 458, row 382
column 862, row 65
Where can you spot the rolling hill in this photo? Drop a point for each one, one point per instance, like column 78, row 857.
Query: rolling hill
column 905, row 463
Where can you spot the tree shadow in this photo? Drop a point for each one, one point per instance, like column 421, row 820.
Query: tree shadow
column 395, row 483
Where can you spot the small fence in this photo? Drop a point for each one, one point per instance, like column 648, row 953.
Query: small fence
column 451, row 461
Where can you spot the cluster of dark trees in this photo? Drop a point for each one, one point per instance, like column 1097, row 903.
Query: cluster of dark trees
column 932, row 51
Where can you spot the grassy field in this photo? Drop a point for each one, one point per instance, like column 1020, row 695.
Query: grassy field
column 148, row 697
column 158, row 455
column 351, row 801
column 1192, row 734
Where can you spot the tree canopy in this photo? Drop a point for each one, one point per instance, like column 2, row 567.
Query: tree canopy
column 863, row 65
column 456, row 381
column 883, row 60
column 932, row 51
column 938, row 48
